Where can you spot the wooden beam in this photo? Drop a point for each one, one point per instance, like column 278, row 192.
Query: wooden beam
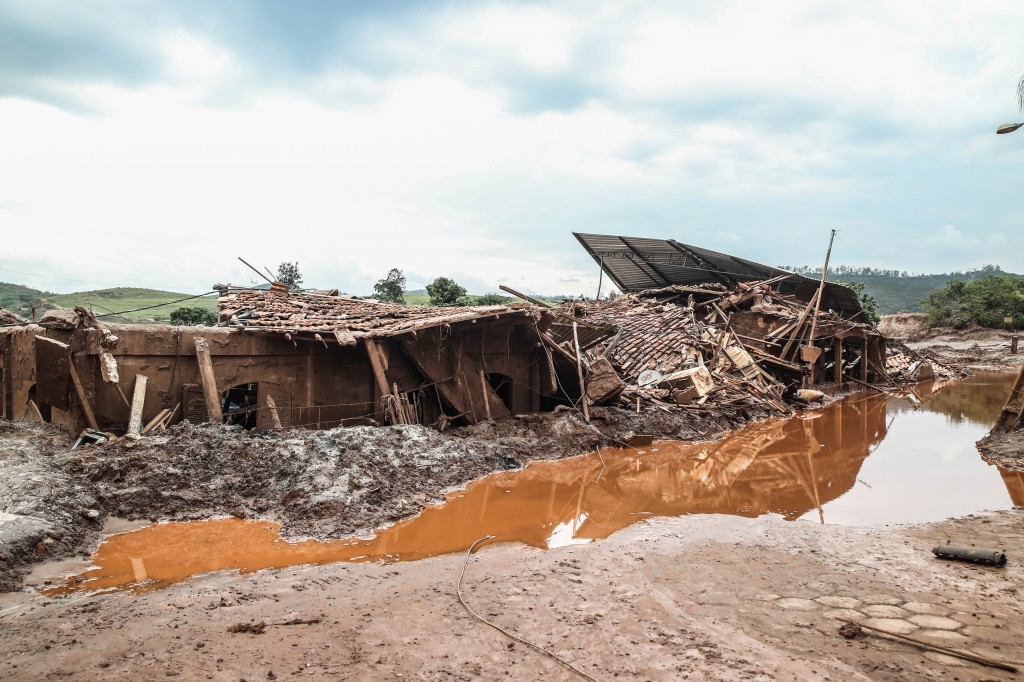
column 377, row 363
column 83, row 401
column 211, row 395
column 531, row 299
column 138, row 402
column 151, row 424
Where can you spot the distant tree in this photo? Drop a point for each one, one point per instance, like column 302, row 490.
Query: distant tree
column 493, row 299
column 867, row 301
column 444, row 291
column 193, row 315
column 391, row 288
column 288, row 273
column 1020, row 94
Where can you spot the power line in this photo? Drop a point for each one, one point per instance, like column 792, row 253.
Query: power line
column 158, row 305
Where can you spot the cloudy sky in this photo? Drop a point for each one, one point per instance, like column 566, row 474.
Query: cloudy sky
column 150, row 143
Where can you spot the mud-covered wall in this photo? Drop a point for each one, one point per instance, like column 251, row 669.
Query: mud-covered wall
column 312, row 382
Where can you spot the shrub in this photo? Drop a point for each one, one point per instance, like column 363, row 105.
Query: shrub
column 193, row 315
column 444, row 291
column 986, row 301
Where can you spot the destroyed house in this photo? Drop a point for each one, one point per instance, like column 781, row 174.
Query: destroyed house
column 282, row 358
column 686, row 306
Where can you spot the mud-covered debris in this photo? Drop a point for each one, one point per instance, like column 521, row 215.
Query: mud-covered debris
column 252, row 628
column 850, row 630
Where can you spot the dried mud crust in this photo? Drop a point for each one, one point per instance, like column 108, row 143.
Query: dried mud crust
column 321, row 484
column 990, row 353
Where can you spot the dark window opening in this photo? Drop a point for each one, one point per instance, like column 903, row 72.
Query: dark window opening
column 240, row 405
column 502, row 385
column 44, row 409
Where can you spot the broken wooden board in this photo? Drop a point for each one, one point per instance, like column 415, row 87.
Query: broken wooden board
column 699, row 378
column 742, row 361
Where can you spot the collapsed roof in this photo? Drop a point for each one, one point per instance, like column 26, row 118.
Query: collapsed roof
column 639, row 263
column 348, row 319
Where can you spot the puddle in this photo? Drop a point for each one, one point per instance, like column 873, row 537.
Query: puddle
column 864, row 460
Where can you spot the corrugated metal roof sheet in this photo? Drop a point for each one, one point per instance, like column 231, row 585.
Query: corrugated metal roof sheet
column 638, row 263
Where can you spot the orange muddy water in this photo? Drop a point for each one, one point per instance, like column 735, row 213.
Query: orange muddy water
column 866, row 459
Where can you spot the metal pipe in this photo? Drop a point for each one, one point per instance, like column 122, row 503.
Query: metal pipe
column 990, row 557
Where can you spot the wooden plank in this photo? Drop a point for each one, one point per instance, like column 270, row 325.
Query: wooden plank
column 156, row 420
column 377, row 363
column 83, row 401
column 483, row 389
column 138, row 402
column 211, row 395
column 166, row 420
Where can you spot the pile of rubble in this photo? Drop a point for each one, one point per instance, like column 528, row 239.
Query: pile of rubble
column 701, row 346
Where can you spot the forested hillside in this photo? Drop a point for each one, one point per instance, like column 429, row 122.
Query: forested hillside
column 896, row 290
column 18, row 298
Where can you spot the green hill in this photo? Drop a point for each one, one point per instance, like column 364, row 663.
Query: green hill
column 19, row 299
column 104, row 301
column 895, row 290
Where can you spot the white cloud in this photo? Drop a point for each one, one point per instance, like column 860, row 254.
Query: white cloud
column 750, row 125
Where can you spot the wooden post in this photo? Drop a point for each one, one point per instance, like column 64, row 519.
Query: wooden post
column 210, row 393
column 378, row 367
column 138, row 401
column 483, row 390
column 821, row 288
column 579, row 372
column 373, row 352
column 272, row 406
column 83, row 402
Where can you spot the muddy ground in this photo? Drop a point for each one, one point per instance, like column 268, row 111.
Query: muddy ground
column 718, row 598
column 698, row 598
column 320, row 484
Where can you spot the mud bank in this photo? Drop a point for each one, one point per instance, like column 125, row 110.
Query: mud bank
column 319, row 484
column 1005, row 450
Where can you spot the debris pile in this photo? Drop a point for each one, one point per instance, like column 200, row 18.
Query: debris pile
column 706, row 345
column 904, row 365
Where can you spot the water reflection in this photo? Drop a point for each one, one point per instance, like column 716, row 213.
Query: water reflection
column 863, row 460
